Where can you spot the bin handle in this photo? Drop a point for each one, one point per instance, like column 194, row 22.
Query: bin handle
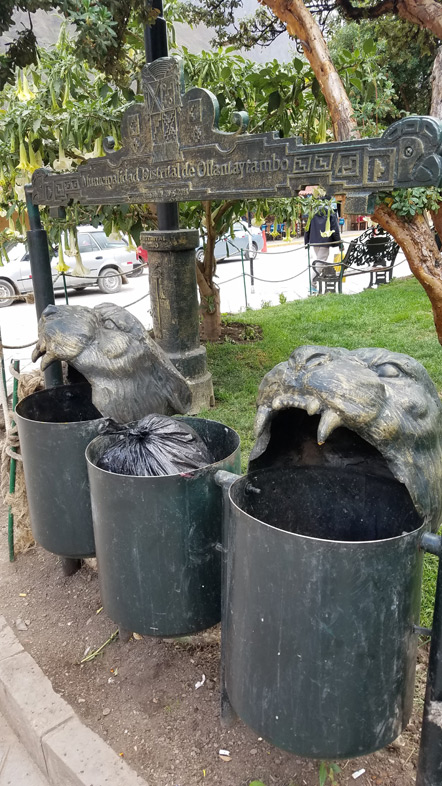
column 224, row 480
column 431, row 543
column 430, row 752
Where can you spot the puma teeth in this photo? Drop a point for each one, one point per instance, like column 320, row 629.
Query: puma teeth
column 329, row 422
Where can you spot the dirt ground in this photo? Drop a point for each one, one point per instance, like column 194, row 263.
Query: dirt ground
column 140, row 696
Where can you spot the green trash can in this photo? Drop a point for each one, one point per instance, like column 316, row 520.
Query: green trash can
column 158, row 539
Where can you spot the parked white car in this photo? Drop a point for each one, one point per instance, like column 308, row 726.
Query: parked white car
column 108, row 261
column 228, row 246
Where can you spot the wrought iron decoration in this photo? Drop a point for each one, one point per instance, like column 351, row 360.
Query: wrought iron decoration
column 129, row 373
column 173, row 150
column 385, row 398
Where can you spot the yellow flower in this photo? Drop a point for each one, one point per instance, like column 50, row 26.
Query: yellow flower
column 61, row 266
column 62, row 164
column 97, row 151
column 79, row 268
column 33, row 159
column 23, row 92
column 19, row 186
column 23, row 162
column 114, row 235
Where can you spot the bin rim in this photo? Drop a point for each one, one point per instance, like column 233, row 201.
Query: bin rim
column 424, row 526
column 190, row 474
column 54, row 423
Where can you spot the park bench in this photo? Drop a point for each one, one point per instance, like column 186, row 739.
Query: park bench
column 375, row 249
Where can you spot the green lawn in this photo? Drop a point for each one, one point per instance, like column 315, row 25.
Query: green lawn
column 397, row 317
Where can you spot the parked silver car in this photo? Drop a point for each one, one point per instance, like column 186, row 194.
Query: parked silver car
column 228, row 246
column 108, row 261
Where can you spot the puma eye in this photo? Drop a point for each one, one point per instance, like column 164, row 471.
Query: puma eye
column 109, row 324
column 315, row 360
column 388, row 370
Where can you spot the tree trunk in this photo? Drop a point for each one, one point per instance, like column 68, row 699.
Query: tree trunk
column 425, row 13
column 417, row 241
column 211, row 315
column 436, row 111
column 301, row 24
column 209, row 293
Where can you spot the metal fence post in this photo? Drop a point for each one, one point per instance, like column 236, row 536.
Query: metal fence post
column 429, row 768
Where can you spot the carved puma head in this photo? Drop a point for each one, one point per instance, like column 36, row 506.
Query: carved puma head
column 379, row 409
column 129, row 373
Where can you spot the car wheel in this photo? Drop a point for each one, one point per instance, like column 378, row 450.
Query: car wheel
column 109, row 281
column 7, row 292
column 254, row 250
column 138, row 270
column 200, row 256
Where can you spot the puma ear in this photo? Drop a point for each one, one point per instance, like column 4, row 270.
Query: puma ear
column 121, row 319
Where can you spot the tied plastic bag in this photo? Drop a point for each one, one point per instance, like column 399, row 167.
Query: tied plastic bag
column 155, row 445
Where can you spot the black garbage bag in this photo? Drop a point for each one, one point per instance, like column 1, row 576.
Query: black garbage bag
column 155, row 445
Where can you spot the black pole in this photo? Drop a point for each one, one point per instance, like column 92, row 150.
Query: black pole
column 429, row 768
column 155, row 45
column 41, row 276
column 44, row 296
column 249, row 224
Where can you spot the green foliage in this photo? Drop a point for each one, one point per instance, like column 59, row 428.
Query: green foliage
column 52, row 115
column 368, row 86
column 275, row 98
column 99, row 32
column 408, row 202
column 403, row 51
column 327, row 772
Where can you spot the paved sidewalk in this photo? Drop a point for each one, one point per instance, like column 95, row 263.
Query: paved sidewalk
column 16, row 767
column 57, row 742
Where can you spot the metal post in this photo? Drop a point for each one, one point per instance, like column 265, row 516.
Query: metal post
column 44, row 296
column 429, row 768
column 224, row 480
column 41, row 276
column 155, row 46
column 310, row 291
column 244, row 277
column 13, row 468
column 249, row 224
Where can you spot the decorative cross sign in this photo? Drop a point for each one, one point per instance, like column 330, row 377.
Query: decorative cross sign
column 174, row 151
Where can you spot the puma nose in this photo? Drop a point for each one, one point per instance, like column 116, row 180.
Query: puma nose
column 51, row 309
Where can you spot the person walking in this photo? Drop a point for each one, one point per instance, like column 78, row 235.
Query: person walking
column 322, row 233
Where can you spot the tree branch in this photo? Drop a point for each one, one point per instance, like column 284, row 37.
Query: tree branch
column 301, row 24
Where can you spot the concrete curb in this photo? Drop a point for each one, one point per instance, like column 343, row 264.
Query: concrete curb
column 66, row 751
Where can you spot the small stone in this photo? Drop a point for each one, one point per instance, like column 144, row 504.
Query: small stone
column 254, row 751
column 106, row 711
column 81, row 701
column 20, row 625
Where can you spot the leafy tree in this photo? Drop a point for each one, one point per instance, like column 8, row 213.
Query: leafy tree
column 302, row 20
column 51, row 115
column 403, row 52
column 100, row 32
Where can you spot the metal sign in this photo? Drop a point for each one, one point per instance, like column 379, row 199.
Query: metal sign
column 173, row 151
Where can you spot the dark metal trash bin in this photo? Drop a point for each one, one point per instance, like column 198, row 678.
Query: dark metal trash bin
column 158, row 539
column 323, row 591
column 55, row 426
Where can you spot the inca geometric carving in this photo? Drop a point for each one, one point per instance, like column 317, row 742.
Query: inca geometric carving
column 173, row 150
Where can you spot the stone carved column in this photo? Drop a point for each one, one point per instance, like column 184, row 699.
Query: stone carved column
column 174, row 306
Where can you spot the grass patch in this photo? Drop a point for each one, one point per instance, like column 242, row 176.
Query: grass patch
column 397, row 317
